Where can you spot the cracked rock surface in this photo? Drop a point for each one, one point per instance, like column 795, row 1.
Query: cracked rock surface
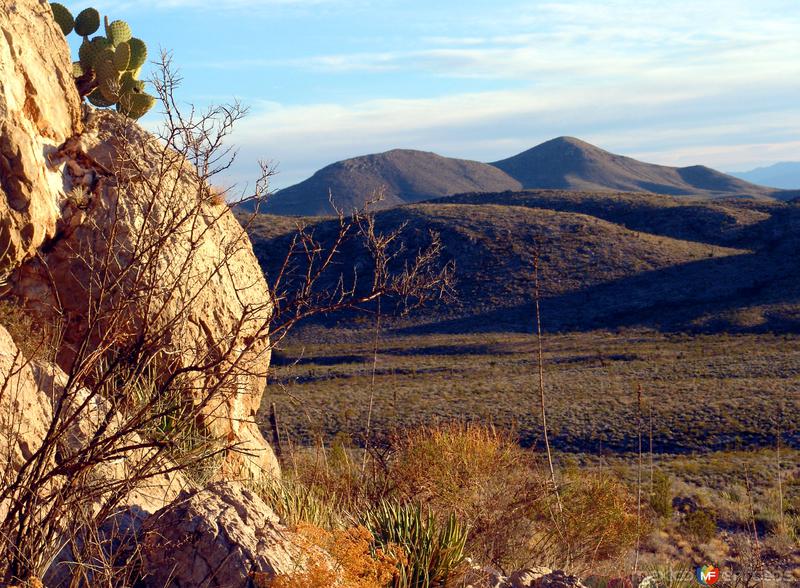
column 216, row 537
column 39, row 110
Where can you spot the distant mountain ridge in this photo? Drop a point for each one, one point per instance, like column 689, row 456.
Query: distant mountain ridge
column 406, row 176
column 402, row 176
column 567, row 163
column 784, row 175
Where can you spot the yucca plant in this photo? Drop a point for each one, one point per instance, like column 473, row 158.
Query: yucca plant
column 433, row 548
column 296, row 503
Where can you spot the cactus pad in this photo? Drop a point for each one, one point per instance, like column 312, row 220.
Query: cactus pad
column 122, row 56
column 96, row 98
column 63, row 17
column 87, row 22
column 135, row 105
column 129, row 83
column 138, row 54
column 109, row 66
column 118, row 32
column 90, row 50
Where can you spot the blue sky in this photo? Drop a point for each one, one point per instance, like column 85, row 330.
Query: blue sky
column 677, row 82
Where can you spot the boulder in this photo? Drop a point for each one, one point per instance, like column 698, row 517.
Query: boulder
column 39, row 110
column 221, row 536
column 184, row 273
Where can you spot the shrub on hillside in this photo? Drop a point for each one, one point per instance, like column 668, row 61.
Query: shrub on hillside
column 700, row 525
column 661, row 498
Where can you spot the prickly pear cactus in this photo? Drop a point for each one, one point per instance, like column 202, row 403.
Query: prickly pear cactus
column 108, row 67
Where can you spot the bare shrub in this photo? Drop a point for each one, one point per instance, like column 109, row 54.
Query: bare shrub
column 130, row 406
column 598, row 524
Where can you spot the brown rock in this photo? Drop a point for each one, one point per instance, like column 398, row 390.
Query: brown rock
column 39, row 110
column 25, row 411
column 217, row 537
column 184, row 267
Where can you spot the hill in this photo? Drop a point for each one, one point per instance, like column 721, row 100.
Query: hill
column 784, row 175
column 402, row 175
column 406, row 176
column 608, row 260
column 567, row 163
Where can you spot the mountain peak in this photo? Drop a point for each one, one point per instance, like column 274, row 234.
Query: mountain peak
column 569, row 163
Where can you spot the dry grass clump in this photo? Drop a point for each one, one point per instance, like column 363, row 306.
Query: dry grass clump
column 597, row 524
column 476, row 476
column 34, row 340
column 354, row 562
column 481, row 475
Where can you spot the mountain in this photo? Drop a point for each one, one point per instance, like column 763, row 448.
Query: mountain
column 403, row 175
column 407, row 176
column 784, row 175
column 608, row 260
column 567, row 163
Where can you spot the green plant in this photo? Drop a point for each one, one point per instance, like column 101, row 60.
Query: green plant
column 700, row 525
column 433, row 550
column 108, row 67
column 661, row 497
column 296, row 503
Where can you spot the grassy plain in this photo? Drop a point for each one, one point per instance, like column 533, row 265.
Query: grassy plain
column 706, row 392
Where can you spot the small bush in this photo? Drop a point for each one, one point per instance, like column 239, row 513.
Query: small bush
column 596, row 522
column 661, row 498
column 482, row 475
column 700, row 525
column 355, row 562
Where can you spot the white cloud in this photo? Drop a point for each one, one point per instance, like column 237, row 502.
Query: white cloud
column 659, row 122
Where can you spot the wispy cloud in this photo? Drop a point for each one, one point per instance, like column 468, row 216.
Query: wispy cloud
column 677, row 82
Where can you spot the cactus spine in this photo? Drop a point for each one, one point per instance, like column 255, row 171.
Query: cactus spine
column 108, row 67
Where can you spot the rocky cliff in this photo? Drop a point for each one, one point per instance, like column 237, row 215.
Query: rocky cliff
column 112, row 237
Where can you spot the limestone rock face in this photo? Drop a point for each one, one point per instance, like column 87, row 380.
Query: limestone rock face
column 39, row 110
column 25, row 410
column 184, row 273
column 216, row 537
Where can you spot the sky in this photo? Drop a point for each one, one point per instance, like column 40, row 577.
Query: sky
column 677, row 82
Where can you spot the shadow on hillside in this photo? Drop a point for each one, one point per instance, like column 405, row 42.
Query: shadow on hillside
column 702, row 295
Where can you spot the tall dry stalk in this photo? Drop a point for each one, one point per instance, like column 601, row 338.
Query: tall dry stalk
column 638, row 478
column 650, row 445
column 540, row 362
column 372, row 381
column 779, row 471
column 754, row 526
